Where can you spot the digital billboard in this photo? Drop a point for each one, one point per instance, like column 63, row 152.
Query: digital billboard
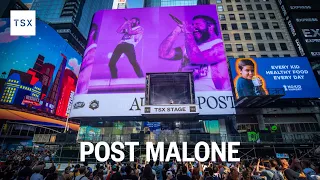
column 255, row 77
column 38, row 72
column 288, row 6
column 304, row 28
column 124, row 45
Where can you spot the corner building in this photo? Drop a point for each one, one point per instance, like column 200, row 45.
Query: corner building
column 250, row 28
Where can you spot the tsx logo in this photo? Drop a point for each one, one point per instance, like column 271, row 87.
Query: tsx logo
column 94, row 104
column 78, row 105
column 22, row 23
column 292, row 87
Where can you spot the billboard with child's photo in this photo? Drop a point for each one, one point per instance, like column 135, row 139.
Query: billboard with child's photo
column 258, row 76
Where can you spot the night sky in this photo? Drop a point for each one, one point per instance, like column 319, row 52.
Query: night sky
column 20, row 53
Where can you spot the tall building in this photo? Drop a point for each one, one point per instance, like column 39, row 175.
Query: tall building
column 120, row 4
column 7, row 5
column 69, row 82
column 52, row 99
column 71, row 18
column 253, row 28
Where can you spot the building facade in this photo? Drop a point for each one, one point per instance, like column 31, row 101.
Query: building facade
column 70, row 18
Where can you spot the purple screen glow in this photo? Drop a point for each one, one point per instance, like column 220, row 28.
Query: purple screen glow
column 124, row 45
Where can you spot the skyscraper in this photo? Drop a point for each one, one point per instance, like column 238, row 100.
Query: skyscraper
column 71, row 18
column 7, row 5
column 53, row 95
column 69, row 82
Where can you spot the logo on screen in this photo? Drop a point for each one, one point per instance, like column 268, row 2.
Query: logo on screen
column 94, row 104
column 22, row 23
column 78, row 105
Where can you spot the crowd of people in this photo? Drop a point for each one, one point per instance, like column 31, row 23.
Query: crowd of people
column 32, row 166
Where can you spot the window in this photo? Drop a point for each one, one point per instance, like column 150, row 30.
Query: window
column 250, row 47
column 226, row 37
column 229, row 7
column 222, row 17
column 242, row 56
column 242, row 16
column 247, row 36
column 269, row 36
column 279, row 35
column 252, row 16
column 237, row 36
column 264, row 56
column 232, row 17
column 258, row 36
column 224, row 27
column 239, row 47
column 246, row 0
column 283, row 46
column 253, row 56
column 219, row 1
column 228, row 1
column 234, row 26
column 244, row 26
column 256, row 0
column 261, row 47
column 268, row 6
column 286, row 55
column 230, row 57
column 238, row 1
column 272, row 46
column 265, row 25
column 275, row 25
column 255, row 26
column 272, row 16
column 239, row 7
column 258, row 6
column 220, row 8
column 262, row 16
column 249, row 7
column 275, row 55
column 228, row 47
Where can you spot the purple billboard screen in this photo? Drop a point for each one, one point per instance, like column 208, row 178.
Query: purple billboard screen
column 124, row 45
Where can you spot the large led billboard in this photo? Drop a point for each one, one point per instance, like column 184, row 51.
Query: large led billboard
column 258, row 76
column 305, row 30
column 124, row 45
column 38, row 72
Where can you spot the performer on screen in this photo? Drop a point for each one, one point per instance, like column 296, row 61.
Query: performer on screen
column 88, row 59
column 203, row 51
column 132, row 34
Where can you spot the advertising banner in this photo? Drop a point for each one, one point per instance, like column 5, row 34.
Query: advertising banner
column 124, row 45
column 252, row 77
column 38, row 72
column 288, row 6
column 306, row 28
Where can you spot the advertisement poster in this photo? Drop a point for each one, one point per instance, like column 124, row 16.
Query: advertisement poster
column 258, row 76
column 124, row 45
column 38, row 72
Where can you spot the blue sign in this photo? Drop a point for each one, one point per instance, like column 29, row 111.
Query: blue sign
column 254, row 76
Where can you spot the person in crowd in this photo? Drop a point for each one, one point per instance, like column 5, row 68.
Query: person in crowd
column 82, row 174
column 67, row 173
column 158, row 169
column 129, row 174
column 147, row 173
column 184, row 175
column 36, row 175
column 290, row 174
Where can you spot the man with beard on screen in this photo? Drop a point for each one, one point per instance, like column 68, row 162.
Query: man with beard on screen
column 203, row 52
column 132, row 35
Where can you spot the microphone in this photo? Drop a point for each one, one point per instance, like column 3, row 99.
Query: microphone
column 175, row 19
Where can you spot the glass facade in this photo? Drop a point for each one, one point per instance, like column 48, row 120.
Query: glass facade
column 164, row 3
column 51, row 11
